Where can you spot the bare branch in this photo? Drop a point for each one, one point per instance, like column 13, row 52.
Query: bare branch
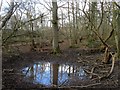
column 62, row 5
column 16, row 28
column 9, row 14
column 117, row 5
column 45, row 6
column 95, row 29
column 111, row 33
column 102, row 8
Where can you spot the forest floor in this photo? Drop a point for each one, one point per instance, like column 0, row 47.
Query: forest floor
column 85, row 57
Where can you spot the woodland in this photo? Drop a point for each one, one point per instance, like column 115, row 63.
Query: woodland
column 60, row 44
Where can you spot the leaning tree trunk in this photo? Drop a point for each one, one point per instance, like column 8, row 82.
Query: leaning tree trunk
column 56, row 48
column 116, row 25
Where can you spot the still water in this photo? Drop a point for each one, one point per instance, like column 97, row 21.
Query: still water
column 48, row 74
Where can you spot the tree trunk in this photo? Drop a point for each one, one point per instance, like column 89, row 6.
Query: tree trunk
column 74, row 41
column 118, row 23
column 55, row 74
column 56, row 48
column 93, row 18
column 76, row 28
column 116, row 26
column 69, row 27
column 118, row 33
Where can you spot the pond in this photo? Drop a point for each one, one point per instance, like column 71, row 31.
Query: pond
column 49, row 74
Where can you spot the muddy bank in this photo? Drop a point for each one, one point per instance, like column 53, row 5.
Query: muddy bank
column 89, row 60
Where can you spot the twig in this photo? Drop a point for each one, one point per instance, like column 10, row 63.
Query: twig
column 92, row 72
column 45, row 6
column 7, row 70
column 117, row 5
column 97, row 78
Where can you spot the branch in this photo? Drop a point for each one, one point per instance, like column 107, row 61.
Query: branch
column 92, row 72
column 102, row 16
column 32, row 20
column 84, row 5
column 117, row 5
column 16, row 28
column 111, row 70
column 111, row 33
column 95, row 29
column 47, row 3
column 113, row 64
column 45, row 6
column 62, row 5
column 9, row 14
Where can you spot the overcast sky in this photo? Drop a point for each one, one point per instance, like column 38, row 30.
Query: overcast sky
column 41, row 9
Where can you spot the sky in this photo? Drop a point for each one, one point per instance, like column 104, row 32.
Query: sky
column 41, row 9
column 5, row 3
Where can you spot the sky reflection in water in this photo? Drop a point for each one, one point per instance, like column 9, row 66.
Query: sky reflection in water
column 42, row 73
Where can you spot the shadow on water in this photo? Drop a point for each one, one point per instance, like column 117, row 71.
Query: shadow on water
column 53, row 74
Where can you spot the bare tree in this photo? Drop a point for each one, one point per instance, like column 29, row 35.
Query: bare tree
column 70, row 37
column 56, row 48
column 74, row 41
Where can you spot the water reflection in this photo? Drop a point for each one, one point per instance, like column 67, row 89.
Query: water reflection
column 48, row 74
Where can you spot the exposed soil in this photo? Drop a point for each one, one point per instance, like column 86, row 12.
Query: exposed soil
column 12, row 78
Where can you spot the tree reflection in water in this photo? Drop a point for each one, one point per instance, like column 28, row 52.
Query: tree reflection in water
column 49, row 74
